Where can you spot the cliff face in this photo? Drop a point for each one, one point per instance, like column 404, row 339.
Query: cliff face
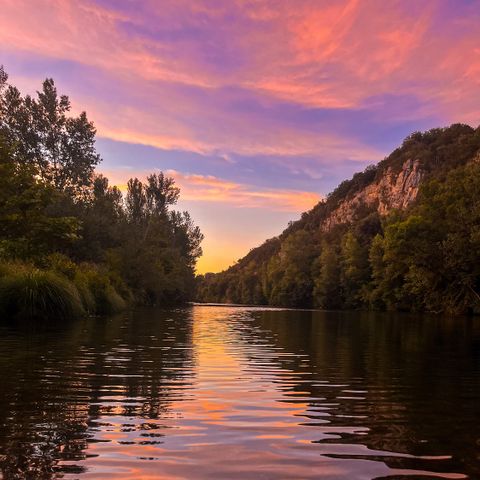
column 286, row 270
column 391, row 191
column 351, row 252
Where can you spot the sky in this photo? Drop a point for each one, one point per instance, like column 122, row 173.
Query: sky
column 257, row 108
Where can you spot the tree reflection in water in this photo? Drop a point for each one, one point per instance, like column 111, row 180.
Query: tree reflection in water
column 62, row 385
column 222, row 392
column 414, row 381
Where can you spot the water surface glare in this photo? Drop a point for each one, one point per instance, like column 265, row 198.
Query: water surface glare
column 217, row 392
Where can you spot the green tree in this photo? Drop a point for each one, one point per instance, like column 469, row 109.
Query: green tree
column 101, row 216
column 60, row 147
column 27, row 228
column 372, row 295
column 186, row 236
column 160, row 193
column 292, row 282
column 135, row 201
column 411, row 260
column 355, row 271
column 159, row 246
column 51, row 201
column 327, row 291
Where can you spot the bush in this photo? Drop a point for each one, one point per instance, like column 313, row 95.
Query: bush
column 60, row 263
column 80, row 281
column 101, row 292
column 10, row 268
column 65, row 290
column 107, row 299
column 35, row 294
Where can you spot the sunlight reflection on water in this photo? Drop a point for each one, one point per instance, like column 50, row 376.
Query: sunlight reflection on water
column 241, row 393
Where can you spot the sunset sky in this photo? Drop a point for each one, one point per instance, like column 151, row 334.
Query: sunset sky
column 256, row 107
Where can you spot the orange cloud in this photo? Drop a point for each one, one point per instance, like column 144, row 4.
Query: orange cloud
column 213, row 189
column 208, row 188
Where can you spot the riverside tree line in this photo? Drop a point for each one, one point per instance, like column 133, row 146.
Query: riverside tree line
column 71, row 244
column 423, row 258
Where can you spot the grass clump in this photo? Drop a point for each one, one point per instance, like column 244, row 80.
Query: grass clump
column 59, row 289
column 87, row 297
column 30, row 293
column 106, row 297
column 101, row 292
column 9, row 268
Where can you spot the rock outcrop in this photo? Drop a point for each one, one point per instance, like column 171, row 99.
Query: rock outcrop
column 390, row 191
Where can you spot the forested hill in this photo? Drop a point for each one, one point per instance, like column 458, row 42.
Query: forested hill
column 401, row 235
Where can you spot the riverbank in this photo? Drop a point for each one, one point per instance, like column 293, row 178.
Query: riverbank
column 61, row 290
column 71, row 244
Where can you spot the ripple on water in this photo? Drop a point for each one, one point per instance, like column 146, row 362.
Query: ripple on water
column 227, row 393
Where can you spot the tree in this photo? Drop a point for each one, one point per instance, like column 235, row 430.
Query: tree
column 453, row 209
column 327, row 292
column 101, row 216
column 60, row 147
column 354, row 270
column 411, row 260
column 186, row 236
column 291, row 276
column 57, row 213
column 27, row 228
column 160, row 193
column 372, row 295
column 135, row 201
column 3, row 79
column 160, row 247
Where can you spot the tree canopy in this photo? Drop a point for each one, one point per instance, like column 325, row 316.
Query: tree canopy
column 423, row 258
column 57, row 212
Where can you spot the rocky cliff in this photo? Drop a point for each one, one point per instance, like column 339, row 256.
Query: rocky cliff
column 390, row 191
column 284, row 269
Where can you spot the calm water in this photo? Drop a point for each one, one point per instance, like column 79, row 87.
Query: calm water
column 230, row 393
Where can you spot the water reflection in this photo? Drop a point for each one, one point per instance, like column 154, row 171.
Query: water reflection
column 220, row 392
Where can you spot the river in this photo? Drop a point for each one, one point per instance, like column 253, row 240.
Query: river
column 218, row 392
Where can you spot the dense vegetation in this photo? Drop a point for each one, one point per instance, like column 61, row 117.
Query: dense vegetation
column 423, row 258
column 70, row 243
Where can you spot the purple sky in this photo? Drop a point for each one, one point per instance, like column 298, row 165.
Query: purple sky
column 257, row 108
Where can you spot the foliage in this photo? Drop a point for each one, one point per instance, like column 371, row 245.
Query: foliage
column 106, row 298
column 59, row 215
column 27, row 227
column 290, row 280
column 61, row 148
column 424, row 258
column 38, row 294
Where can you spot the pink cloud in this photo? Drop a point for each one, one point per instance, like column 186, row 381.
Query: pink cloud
column 312, row 52
column 208, row 188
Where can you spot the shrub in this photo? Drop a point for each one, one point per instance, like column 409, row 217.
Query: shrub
column 80, row 281
column 107, row 299
column 60, row 263
column 37, row 294
column 10, row 268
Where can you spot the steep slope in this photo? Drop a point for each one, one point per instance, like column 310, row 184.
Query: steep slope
column 391, row 190
column 307, row 264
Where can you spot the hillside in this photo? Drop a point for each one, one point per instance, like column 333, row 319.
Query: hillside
column 387, row 238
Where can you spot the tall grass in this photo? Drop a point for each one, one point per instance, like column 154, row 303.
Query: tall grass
column 10, row 268
column 30, row 293
column 106, row 297
column 101, row 291
column 88, row 299
column 59, row 289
